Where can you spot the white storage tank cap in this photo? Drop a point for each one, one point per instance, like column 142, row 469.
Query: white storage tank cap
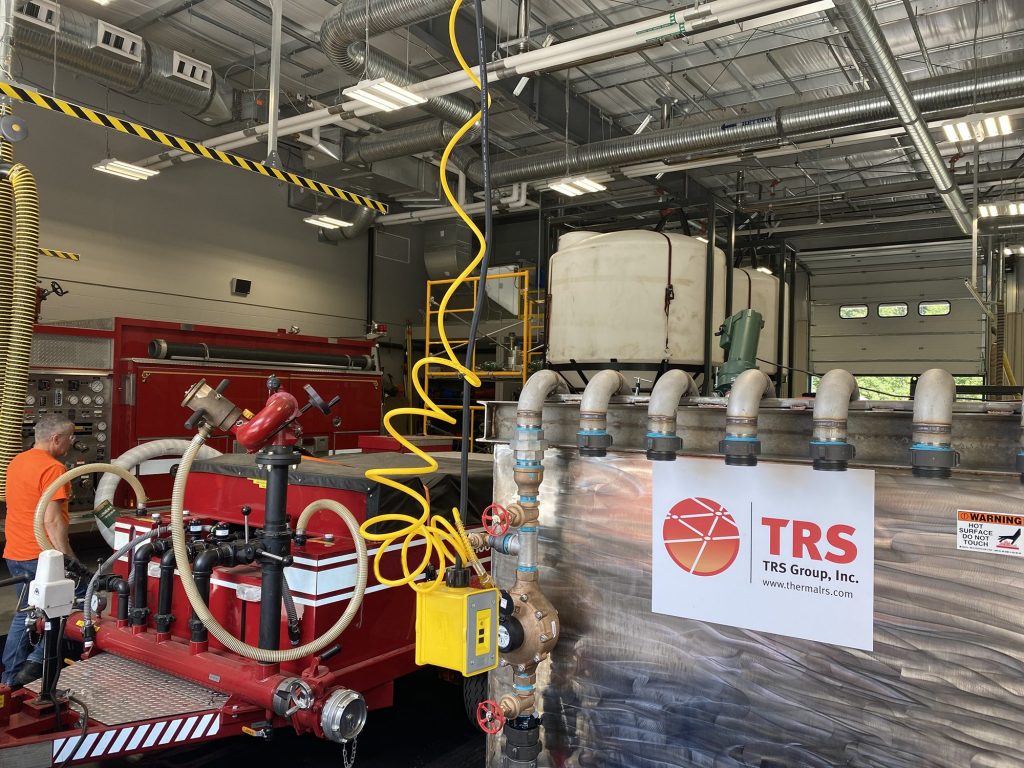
column 576, row 237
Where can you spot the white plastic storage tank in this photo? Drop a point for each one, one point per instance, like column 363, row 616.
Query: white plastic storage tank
column 752, row 289
column 608, row 300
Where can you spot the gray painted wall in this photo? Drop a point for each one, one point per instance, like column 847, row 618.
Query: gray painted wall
column 167, row 248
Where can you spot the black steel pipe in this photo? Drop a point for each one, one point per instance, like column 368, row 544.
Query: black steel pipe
column 140, row 585
column 202, row 571
column 276, row 541
column 164, row 618
column 162, row 349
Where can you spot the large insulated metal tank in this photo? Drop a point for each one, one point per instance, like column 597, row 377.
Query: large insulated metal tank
column 629, row 688
column 752, row 289
column 609, row 300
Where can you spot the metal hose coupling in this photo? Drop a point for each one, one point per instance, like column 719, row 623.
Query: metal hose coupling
column 343, row 716
column 931, row 454
column 521, row 744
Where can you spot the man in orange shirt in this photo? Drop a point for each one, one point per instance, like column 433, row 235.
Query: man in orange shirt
column 28, row 475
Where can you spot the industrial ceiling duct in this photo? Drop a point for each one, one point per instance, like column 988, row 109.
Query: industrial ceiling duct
column 886, row 71
column 402, row 142
column 866, row 111
column 120, row 59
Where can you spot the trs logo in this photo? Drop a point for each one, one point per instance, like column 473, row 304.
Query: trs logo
column 802, row 540
column 701, row 536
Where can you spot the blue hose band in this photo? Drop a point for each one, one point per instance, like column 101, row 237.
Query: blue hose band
column 528, row 529
column 523, row 687
column 829, row 442
column 527, row 568
column 660, row 434
column 528, row 429
column 592, row 432
column 528, row 499
column 926, row 447
column 739, row 439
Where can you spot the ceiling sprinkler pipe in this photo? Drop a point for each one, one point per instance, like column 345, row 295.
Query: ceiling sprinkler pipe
column 828, row 448
column 663, row 441
column 741, row 445
column 931, row 454
column 593, row 439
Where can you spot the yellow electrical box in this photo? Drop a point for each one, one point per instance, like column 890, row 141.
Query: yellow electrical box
column 457, row 628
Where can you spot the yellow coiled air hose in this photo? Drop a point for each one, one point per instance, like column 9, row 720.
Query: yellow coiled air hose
column 448, row 541
column 22, row 314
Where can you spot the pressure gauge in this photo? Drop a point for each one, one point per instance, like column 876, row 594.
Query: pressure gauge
column 101, row 426
column 98, row 400
column 72, row 399
column 30, row 400
column 86, row 400
column 96, row 386
column 101, row 438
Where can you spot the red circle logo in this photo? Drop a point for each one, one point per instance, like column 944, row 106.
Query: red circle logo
column 701, row 536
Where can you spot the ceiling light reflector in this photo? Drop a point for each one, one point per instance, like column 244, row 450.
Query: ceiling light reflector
column 124, row 170
column 383, row 94
column 326, row 222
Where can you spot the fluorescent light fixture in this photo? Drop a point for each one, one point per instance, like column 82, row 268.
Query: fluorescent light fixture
column 124, row 170
column 764, row 270
column 575, row 187
column 383, row 94
column 1007, row 251
column 643, row 125
column 1014, row 209
column 326, row 222
column 978, row 128
column 520, row 86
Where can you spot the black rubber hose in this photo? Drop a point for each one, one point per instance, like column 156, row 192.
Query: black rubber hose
column 161, row 349
column 202, row 571
column 164, row 618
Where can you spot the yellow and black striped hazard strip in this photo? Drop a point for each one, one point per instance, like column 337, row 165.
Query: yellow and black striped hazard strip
column 59, row 254
column 191, row 147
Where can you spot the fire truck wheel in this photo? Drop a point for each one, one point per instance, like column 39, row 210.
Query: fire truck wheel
column 474, row 690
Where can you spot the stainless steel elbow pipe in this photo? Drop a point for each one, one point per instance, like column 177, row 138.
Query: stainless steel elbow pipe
column 829, row 449
column 930, row 451
column 662, row 441
column 741, row 445
column 592, row 438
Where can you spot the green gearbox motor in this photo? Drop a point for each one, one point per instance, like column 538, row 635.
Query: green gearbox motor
column 738, row 336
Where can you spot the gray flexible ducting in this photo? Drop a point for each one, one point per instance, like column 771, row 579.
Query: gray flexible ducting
column 108, row 564
column 402, row 142
column 348, row 22
column 979, row 89
column 870, row 39
column 361, row 219
column 150, row 78
column 129, row 460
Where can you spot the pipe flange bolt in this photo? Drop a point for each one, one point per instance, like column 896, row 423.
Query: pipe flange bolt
column 594, row 443
column 663, row 447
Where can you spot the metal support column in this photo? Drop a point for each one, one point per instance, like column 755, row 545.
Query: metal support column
column 780, row 329
column 274, row 86
column 709, row 299
column 791, row 325
column 730, row 258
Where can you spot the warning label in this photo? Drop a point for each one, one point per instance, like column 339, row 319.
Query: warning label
column 998, row 534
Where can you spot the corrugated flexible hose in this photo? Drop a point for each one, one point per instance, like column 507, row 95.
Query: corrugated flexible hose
column 22, row 312
column 6, row 268
column 215, row 628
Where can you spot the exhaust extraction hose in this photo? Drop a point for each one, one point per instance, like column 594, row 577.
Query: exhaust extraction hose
column 22, row 311
column 232, row 643
column 6, row 266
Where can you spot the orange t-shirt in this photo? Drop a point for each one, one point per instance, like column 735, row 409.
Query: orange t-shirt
column 28, row 475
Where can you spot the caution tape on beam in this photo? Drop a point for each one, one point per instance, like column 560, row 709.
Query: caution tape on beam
column 185, row 145
column 59, row 254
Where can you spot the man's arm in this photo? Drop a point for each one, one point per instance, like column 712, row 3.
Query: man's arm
column 57, row 528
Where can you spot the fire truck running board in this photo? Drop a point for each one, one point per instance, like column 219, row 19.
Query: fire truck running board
column 118, row 690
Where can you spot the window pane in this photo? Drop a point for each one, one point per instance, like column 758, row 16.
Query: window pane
column 853, row 311
column 933, row 308
column 892, row 310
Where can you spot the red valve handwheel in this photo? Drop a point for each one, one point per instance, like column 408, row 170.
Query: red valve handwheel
column 496, row 520
column 489, row 716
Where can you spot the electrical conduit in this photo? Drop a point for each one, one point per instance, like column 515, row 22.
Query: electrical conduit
column 22, row 311
column 662, row 441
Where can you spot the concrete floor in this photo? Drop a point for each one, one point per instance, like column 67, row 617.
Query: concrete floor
column 425, row 729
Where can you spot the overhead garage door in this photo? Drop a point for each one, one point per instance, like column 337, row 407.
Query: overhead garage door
column 894, row 310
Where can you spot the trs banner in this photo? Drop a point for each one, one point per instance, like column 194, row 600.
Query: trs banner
column 775, row 548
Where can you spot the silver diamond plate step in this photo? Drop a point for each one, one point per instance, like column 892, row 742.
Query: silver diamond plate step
column 118, row 690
